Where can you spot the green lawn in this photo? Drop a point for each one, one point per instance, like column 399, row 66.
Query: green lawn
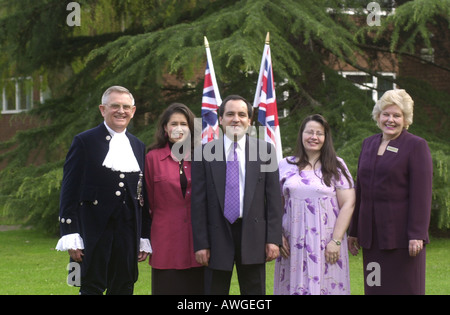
column 29, row 264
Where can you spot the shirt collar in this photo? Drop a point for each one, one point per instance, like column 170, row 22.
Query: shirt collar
column 112, row 132
column 166, row 152
column 227, row 143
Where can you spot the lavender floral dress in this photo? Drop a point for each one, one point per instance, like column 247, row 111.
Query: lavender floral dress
column 310, row 213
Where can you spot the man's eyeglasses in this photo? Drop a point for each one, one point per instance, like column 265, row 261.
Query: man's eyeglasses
column 126, row 107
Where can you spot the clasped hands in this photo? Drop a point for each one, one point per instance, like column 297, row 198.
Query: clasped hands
column 332, row 251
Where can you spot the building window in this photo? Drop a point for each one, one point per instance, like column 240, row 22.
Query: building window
column 427, row 55
column 17, row 95
column 374, row 86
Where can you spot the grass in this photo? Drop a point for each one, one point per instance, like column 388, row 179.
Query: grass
column 29, row 265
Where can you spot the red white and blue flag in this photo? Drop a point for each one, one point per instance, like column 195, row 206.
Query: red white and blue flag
column 266, row 100
column 210, row 101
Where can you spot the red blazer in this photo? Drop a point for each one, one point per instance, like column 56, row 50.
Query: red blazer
column 393, row 192
column 171, row 230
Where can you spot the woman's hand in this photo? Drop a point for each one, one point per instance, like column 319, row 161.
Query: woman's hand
column 332, row 252
column 284, row 250
column 415, row 247
column 353, row 245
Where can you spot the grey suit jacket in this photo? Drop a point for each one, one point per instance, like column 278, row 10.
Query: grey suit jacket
column 262, row 214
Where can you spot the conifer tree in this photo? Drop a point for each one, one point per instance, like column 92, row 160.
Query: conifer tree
column 139, row 43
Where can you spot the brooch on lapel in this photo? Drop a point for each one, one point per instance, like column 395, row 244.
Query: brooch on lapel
column 140, row 197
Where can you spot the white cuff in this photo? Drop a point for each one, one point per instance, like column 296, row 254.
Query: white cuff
column 70, row 241
column 145, row 246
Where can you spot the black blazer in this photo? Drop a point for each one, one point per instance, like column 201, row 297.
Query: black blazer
column 262, row 214
column 91, row 192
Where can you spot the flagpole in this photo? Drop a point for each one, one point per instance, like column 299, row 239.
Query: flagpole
column 259, row 85
column 211, row 71
column 265, row 100
column 261, row 72
column 211, row 100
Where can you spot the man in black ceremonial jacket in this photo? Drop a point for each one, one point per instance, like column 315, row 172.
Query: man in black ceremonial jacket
column 104, row 219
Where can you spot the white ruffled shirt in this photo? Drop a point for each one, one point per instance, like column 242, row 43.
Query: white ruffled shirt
column 120, row 157
column 75, row 241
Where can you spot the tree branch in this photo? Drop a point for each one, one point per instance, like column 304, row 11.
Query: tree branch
column 383, row 49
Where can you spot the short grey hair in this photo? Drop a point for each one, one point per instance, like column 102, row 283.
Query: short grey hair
column 118, row 89
column 395, row 97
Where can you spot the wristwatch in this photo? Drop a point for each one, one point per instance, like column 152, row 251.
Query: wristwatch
column 338, row 243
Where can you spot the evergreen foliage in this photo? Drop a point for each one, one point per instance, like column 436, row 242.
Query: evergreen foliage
column 138, row 43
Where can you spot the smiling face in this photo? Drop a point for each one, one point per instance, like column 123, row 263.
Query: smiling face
column 177, row 127
column 313, row 137
column 391, row 122
column 118, row 111
column 235, row 120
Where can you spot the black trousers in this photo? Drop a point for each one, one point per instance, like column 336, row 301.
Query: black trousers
column 113, row 264
column 252, row 278
column 178, row 282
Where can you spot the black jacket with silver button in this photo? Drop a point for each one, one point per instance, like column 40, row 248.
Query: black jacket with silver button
column 91, row 192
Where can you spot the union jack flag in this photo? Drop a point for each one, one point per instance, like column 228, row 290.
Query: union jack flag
column 210, row 101
column 266, row 100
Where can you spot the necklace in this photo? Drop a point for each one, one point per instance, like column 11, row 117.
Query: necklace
column 180, row 163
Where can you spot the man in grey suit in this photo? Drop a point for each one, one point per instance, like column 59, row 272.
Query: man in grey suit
column 236, row 219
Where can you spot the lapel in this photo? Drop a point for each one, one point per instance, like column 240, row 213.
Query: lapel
column 252, row 169
column 372, row 151
column 134, row 146
column 219, row 171
column 396, row 143
column 137, row 149
column 103, row 137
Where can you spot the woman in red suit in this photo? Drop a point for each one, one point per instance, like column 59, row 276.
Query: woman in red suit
column 393, row 201
column 168, row 184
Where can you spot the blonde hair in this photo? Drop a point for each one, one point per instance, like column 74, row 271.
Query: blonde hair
column 395, row 97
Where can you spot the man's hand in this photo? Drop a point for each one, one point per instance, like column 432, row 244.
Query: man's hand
column 272, row 252
column 76, row 255
column 202, row 256
column 142, row 256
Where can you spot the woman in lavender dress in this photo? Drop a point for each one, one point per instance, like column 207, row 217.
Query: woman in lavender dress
column 318, row 202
